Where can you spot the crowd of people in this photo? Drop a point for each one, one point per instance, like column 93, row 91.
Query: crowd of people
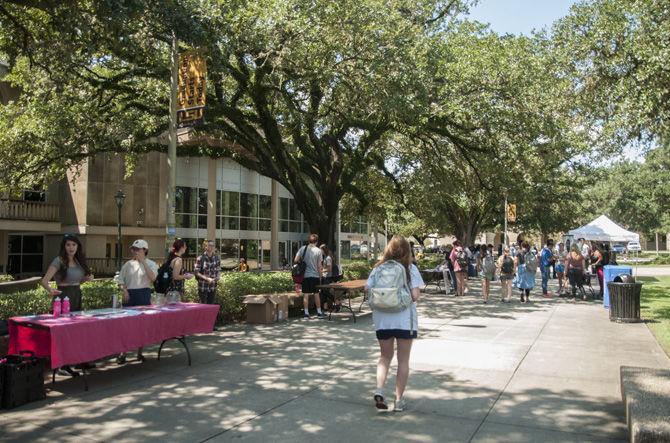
column 516, row 266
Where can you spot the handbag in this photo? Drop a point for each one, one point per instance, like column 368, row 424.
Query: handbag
column 298, row 269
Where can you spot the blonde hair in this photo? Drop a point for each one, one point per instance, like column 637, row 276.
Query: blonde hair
column 397, row 249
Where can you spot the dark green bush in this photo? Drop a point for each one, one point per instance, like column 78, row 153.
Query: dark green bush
column 6, row 277
column 357, row 270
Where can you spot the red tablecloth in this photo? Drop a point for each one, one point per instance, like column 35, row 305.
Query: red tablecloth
column 91, row 335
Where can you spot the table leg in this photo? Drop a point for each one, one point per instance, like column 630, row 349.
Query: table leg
column 83, row 371
column 181, row 339
column 53, row 375
column 360, row 308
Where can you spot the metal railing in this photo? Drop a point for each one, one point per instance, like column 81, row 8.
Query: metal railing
column 28, row 210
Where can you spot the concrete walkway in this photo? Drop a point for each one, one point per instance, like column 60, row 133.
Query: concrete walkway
column 544, row 371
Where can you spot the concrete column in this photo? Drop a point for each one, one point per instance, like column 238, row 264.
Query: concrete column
column 274, row 228
column 211, row 198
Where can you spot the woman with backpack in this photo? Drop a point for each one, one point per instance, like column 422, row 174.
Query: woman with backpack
column 177, row 265
column 526, row 267
column 394, row 325
column 506, row 272
column 486, row 267
column 459, row 259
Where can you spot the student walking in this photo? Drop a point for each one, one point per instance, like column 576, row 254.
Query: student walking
column 395, row 329
column 486, row 266
column 506, row 272
column 177, row 265
column 459, row 259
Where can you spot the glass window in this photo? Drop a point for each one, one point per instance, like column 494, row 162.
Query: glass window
column 230, row 202
column 248, row 224
column 264, row 206
column 202, row 221
column 249, row 205
column 232, row 223
column 283, row 226
column 345, row 249
column 293, row 210
column 295, row 226
column 34, row 195
column 264, row 224
column 186, row 221
column 228, row 249
column 218, row 202
column 202, row 201
column 283, row 208
column 191, row 247
column 185, row 200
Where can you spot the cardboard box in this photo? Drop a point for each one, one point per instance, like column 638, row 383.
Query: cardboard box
column 266, row 308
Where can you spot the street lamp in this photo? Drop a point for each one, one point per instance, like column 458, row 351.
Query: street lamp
column 119, row 197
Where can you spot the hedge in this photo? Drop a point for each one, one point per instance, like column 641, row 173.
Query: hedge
column 6, row 278
column 98, row 294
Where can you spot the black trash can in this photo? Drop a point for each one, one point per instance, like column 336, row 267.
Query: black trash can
column 624, row 301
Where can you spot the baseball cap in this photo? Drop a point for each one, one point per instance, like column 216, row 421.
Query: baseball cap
column 140, row 244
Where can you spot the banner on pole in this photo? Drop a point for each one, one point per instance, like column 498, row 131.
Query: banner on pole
column 511, row 212
column 191, row 92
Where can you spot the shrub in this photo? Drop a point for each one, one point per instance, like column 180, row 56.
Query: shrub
column 357, row 270
column 5, row 278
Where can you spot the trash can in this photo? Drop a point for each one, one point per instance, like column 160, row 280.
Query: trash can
column 609, row 272
column 624, row 300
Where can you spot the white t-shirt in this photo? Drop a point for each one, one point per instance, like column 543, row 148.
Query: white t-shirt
column 406, row 320
column 586, row 250
column 134, row 276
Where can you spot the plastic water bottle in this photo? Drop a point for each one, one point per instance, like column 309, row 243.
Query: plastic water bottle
column 115, row 301
column 56, row 307
column 66, row 306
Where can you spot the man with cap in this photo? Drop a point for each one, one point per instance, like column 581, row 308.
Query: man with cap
column 135, row 280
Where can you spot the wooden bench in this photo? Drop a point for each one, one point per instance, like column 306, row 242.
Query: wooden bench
column 646, row 398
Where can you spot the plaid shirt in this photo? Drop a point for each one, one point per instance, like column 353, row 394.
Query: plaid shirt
column 209, row 267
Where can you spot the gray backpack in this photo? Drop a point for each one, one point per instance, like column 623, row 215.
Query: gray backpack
column 531, row 262
column 389, row 291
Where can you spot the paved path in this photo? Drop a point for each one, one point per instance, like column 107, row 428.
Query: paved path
column 545, row 371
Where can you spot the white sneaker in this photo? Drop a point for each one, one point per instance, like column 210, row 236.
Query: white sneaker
column 399, row 405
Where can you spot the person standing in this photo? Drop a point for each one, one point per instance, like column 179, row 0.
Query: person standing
column 450, row 270
column 459, row 260
column 547, row 260
column 575, row 267
column 526, row 267
column 207, row 271
column 327, row 297
column 561, row 256
column 486, row 266
column 506, row 272
column 396, row 328
column 177, row 265
column 586, row 253
column 69, row 270
column 601, row 257
column 313, row 258
column 135, row 280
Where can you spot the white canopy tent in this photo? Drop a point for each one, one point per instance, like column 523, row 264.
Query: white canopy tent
column 604, row 229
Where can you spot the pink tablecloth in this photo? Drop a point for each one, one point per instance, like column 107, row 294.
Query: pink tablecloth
column 84, row 338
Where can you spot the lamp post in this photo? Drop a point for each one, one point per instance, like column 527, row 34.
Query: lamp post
column 119, row 197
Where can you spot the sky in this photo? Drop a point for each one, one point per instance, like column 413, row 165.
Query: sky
column 520, row 16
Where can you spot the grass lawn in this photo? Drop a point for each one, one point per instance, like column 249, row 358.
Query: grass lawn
column 655, row 304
